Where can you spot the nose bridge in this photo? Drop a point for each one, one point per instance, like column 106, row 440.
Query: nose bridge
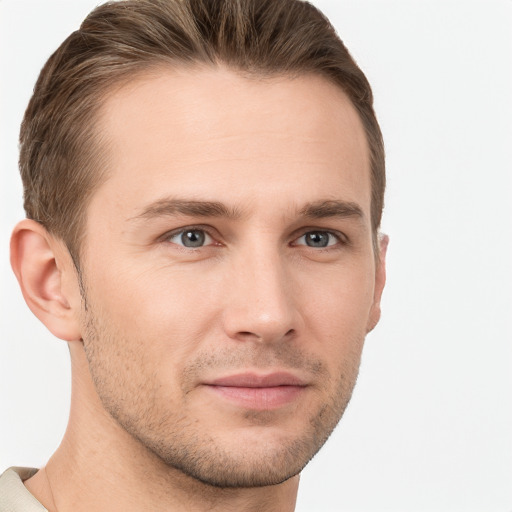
column 260, row 303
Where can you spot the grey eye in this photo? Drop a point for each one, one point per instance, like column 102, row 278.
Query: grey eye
column 191, row 238
column 318, row 239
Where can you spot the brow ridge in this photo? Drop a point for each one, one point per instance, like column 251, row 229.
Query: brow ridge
column 332, row 208
column 199, row 208
column 194, row 208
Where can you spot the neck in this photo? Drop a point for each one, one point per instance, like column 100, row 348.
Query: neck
column 99, row 466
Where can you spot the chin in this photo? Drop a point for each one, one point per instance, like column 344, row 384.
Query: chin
column 247, row 470
column 255, row 456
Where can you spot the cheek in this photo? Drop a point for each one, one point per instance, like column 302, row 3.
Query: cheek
column 162, row 309
column 339, row 300
column 338, row 308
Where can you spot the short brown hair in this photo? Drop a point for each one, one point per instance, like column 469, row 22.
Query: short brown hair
column 60, row 160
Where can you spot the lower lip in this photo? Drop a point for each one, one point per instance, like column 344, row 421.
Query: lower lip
column 259, row 398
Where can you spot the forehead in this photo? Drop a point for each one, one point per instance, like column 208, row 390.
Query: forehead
column 210, row 133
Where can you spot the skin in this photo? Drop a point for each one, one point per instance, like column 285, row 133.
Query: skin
column 285, row 162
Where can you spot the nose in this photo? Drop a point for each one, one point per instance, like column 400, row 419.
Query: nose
column 260, row 300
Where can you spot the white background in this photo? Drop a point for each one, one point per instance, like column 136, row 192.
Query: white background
column 430, row 424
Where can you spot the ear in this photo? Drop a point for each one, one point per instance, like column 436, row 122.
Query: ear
column 47, row 278
column 380, row 281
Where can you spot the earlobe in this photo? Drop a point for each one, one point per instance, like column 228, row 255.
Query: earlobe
column 38, row 260
column 380, row 281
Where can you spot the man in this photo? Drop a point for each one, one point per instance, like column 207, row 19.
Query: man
column 203, row 185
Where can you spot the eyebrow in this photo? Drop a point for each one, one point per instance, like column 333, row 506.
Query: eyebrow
column 332, row 208
column 168, row 207
column 197, row 208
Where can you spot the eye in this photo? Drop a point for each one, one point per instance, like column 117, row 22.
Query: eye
column 318, row 239
column 190, row 238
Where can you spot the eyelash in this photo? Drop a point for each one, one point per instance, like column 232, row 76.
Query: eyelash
column 341, row 239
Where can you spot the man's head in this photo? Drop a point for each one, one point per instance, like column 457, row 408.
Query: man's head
column 62, row 158
column 219, row 185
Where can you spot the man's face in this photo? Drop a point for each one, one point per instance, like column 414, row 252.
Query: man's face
column 228, row 268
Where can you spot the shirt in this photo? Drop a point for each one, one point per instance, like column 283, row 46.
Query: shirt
column 14, row 496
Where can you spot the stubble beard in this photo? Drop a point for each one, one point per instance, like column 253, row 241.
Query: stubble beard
column 129, row 391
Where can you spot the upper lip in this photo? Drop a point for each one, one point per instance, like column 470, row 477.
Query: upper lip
column 255, row 380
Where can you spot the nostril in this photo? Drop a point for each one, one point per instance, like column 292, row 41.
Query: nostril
column 246, row 335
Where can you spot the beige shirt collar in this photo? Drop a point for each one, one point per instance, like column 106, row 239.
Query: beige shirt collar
column 14, row 496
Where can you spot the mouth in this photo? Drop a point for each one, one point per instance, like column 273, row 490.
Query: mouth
column 258, row 392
